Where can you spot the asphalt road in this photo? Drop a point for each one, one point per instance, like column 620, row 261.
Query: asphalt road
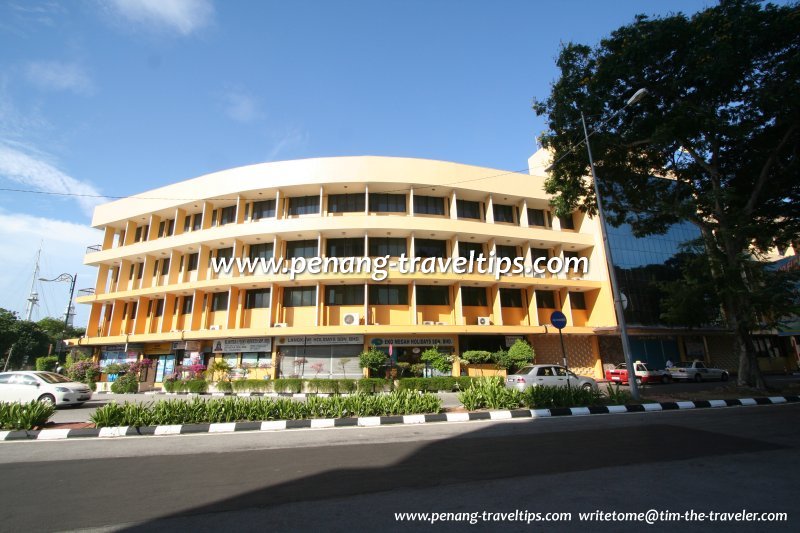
column 355, row 479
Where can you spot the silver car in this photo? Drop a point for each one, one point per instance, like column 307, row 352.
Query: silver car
column 43, row 386
column 548, row 376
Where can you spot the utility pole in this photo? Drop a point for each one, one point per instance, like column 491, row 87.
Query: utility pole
column 33, row 297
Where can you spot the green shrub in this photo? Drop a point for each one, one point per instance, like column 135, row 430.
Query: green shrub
column 548, row 397
column 347, row 386
column 372, row 385
column 438, row 360
column 250, row 385
column 443, row 383
column 519, row 355
column 25, row 416
column 46, row 364
column 289, row 385
column 224, row 386
column 196, row 385
column 417, row 369
column 615, row 396
column 125, row 384
column 373, row 359
column 489, row 393
column 233, row 409
column 476, row 357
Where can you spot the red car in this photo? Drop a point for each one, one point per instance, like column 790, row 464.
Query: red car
column 619, row 374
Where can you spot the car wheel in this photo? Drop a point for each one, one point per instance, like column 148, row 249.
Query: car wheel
column 638, row 381
column 724, row 376
column 666, row 379
column 698, row 378
column 49, row 399
column 586, row 386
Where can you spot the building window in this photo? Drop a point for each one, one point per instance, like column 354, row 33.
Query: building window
column 134, row 309
column 299, row 296
column 545, row 299
column 464, row 249
column 256, row 359
column 186, row 308
column 344, row 247
column 503, row 250
column 430, row 248
column 225, row 253
column 159, row 308
column 474, row 297
column 433, row 295
column 428, row 205
column 567, row 222
column 511, row 297
column 304, row 205
column 257, row 299
column 387, row 203
column 383, row 246
column 577, row 300
column 536, row 253
column 388, row 295
column 192, row 262
column 219, row 301
column 166, row 227
column 346, row 203
column 344, row 295
column 139, row 270
column 197, row 222
column 264, row 209
column 164, row 267
column 306, row 248
column 503, row 213
column 468, row 209
column 227, row 215
column 260, row 250
column 536, row 217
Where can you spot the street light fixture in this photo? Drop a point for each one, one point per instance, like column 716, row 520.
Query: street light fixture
column 612, row 274
column 72, row 278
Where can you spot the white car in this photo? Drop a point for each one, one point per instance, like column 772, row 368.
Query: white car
column 548, row 376
column 697, row 371
column 43, row 386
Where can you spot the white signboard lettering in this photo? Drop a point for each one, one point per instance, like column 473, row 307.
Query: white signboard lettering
column 412, row 341
column 319, row 340
column 257, row 344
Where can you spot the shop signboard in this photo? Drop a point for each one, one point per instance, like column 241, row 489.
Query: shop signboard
column 317, row 340
column 412, row 341
column 254, row 344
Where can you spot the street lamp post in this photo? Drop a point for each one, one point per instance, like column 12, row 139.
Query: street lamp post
column 72, row 278
column 612, row 274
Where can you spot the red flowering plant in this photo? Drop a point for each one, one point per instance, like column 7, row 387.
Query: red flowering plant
column 195, row 371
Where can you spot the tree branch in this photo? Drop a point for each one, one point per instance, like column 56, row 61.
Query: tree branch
column 762, row 176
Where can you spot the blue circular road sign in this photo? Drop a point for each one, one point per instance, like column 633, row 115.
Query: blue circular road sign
column 558, row 319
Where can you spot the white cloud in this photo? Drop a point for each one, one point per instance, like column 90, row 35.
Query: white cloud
column 240, row 106
column 31, row 170
column 57, row 76
column 63, row 248
column 182, row 16
column 295, row 138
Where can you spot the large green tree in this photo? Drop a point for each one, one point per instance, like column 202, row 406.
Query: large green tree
column 721, row 124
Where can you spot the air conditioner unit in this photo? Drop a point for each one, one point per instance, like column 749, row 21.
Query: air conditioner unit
column 351, row 319
column 281, row 325
column 484, row 321
column 215, row 327
column 427, row 322
column 441, row 323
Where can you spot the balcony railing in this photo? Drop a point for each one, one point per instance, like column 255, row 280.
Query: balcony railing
column 94, row 248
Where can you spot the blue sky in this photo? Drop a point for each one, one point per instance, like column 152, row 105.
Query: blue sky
column 119, row 96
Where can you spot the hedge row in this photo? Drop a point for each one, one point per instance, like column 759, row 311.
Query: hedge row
column 25, row 416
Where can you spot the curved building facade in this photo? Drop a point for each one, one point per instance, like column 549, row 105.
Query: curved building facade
column 158, row 293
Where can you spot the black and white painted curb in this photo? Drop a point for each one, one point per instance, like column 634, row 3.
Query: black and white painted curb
column 242, row 394
column 371, row 421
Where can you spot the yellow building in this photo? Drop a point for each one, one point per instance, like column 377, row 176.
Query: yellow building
column 158, row 295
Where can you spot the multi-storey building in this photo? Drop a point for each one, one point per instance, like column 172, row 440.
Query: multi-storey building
column 158, row 295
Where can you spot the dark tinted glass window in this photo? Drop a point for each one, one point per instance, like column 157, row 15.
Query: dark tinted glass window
column 344, row 295
column 227, row 215
column 473, row 296
column 577, row 300
column 197, row 221
column 428, row 205
column 219, row 301
column 433, row 295
column 536, row 217
column 159, row 307
column 567, row 222
column 346, row 203
column 264, row 209
column 299, row 296
column 139, row 270
column 260, row 250
column 468, row 209
column 545, row 299
column 192, row 262
column 344, row 247
column 539, row 252
column 306, row 248
column 503, row 213
column 164, row 267
column 388, row 294
column 430, row 248
column 464, row 248
column 511, row 297
column 257, row 299
column 304, row 205
column 186, row 308
column 506, row 251
column 387, row 203
column 391, row 246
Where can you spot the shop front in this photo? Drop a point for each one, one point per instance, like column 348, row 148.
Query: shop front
column 319, row 356
column 406, row 352
column 249, row 358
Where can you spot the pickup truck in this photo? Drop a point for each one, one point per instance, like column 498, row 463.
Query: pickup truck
column 619, row 374
column 697, row 371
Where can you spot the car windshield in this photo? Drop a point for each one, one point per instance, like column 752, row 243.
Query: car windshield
column 524, row 370
column 52, row 377
column 683, row 364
